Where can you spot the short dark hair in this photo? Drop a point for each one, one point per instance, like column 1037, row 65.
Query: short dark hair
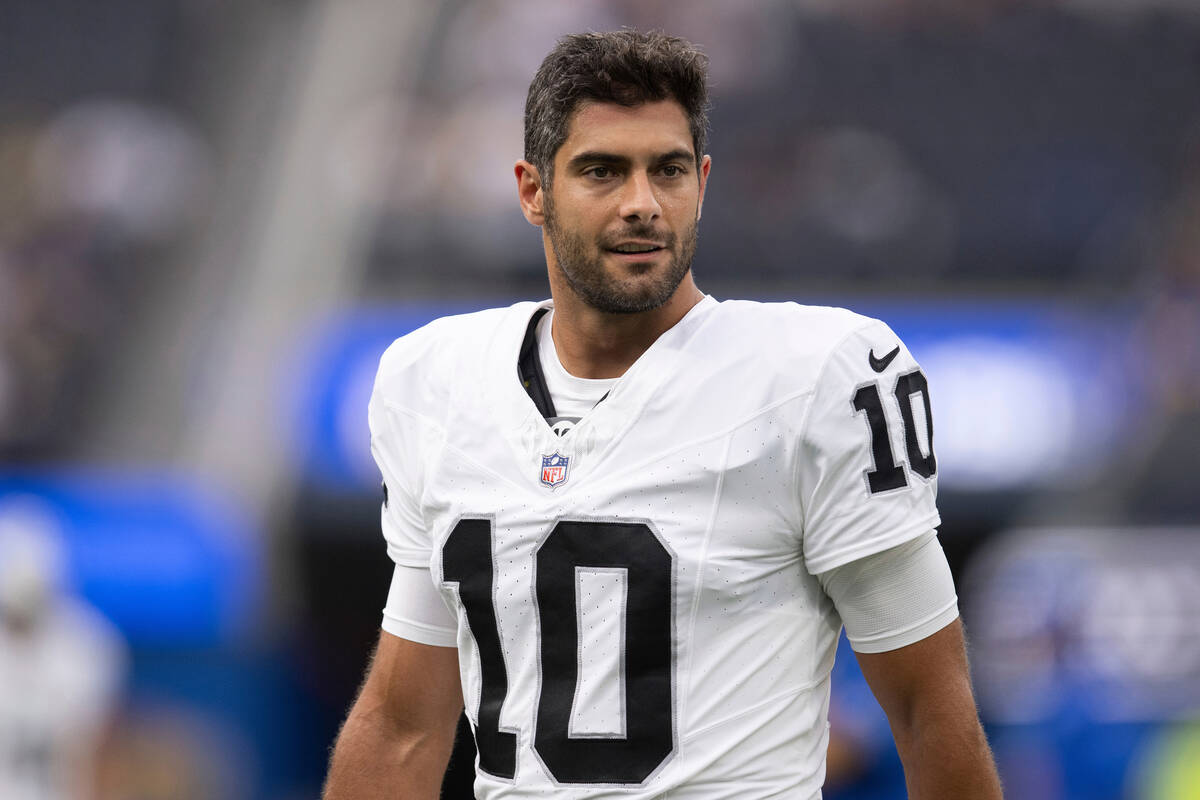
column 627, row 67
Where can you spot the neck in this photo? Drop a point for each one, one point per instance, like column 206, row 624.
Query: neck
column 597, row 344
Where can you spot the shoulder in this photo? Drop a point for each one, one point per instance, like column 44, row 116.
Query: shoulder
column 791, row 324
column 424, row 347
column 801, row 339
column 420, row 369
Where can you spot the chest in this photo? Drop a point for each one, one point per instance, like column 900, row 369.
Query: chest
column 714, row 497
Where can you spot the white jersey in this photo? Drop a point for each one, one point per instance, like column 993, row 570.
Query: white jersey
column 637, row 612
column 59, row 685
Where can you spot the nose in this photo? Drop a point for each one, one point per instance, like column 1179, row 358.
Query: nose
column 638, row 202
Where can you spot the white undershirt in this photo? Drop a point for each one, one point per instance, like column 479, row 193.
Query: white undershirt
column 573, row 397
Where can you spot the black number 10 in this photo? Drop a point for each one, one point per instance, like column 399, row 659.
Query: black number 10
column 887, row 474
column 648, row 658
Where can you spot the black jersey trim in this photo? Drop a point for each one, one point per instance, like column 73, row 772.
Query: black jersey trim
column 529, row 368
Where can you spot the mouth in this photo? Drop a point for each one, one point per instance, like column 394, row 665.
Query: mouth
column 636, row 250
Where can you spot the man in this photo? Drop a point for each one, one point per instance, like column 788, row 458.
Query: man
column 629, row 523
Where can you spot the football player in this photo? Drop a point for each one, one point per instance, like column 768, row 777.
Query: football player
column 629, row 522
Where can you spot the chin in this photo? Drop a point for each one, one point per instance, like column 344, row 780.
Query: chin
column 635, row 299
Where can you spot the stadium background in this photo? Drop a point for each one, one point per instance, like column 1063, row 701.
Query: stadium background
column 214, row 215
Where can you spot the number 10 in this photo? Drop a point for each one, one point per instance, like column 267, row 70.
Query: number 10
column 888, row 475
column 649, row 655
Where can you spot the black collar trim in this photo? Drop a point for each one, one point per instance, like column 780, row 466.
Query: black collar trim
column 529, row 368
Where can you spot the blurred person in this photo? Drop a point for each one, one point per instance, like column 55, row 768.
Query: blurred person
column 61, row 667
column 628, row 523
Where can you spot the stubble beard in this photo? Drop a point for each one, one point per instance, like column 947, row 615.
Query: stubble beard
column 582, row 266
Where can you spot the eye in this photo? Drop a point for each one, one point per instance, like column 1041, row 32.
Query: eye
column 672, row 171
column 599, row 172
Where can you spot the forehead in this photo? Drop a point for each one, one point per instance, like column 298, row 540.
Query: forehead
column 655, row 127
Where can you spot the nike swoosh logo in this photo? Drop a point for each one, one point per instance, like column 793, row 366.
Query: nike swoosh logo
column 880, row 364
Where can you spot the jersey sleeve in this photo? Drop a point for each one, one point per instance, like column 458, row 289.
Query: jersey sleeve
column 867, row 475
column 398, row 437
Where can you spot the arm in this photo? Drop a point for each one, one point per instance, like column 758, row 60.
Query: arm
column 397, row 740
column 925, row 689
column 866, row 475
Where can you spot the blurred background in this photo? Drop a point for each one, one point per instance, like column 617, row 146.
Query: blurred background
column 215, row 215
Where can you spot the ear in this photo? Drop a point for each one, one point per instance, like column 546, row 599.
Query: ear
column 705, row 166
column 529, row 192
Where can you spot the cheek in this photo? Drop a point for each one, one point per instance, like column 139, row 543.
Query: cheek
column 582, row 218
column 681, row 202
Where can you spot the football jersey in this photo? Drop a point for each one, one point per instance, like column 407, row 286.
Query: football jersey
column 637, row 612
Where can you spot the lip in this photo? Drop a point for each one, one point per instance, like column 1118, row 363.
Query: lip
column 640, row 243
column 637, row 258
column 662, row 248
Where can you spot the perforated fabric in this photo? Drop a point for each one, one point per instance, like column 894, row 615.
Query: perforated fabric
column 894, row 598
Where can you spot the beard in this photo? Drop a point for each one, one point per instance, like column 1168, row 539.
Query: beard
column 582, row 265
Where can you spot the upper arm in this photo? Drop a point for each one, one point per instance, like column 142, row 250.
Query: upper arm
column 398, row 737
column 895, row 597
column 925, row 689
column 412, row 687
column 927, row 677
column 901, row 616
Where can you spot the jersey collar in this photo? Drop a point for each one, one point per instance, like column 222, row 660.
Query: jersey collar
column 522, row 413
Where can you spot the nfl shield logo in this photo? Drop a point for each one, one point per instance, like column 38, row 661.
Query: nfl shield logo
column 554, row 469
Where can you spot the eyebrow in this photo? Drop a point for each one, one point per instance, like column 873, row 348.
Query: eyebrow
column 614, row 160
column 676, row 155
